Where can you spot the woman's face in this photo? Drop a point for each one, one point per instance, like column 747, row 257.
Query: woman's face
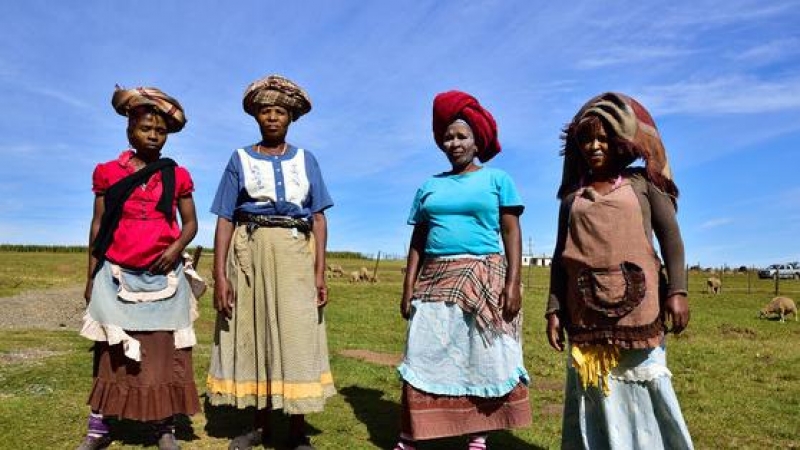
column 459, row 144
column 595, row 150
column 273, row 120
column 148, row 133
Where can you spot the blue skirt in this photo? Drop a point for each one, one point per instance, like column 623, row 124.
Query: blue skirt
column 641, row 412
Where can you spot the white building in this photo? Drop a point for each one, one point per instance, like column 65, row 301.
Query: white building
column 542, row 261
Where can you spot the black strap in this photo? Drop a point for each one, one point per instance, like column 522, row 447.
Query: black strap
column 118, row 194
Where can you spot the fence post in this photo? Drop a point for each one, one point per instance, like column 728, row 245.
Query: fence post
column 687, row 278
column 748, row 281
column 777, row 281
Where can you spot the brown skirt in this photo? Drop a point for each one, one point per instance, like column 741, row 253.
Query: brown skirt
column 430, row 416
column 158, row 387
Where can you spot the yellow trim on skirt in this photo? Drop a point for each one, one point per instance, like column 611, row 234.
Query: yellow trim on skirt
column 272, row 388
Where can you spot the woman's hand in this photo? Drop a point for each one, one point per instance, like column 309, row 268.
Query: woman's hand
column 555, row 332
column 87, row 292
column 405, row 307
column 167, row 261
column 322, row 292
column 223, row 296
column 676, row 311
column 510, row 301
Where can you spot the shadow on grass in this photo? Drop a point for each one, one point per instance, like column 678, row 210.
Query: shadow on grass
column 382, row 419
column 131, row 432
column 227, row 422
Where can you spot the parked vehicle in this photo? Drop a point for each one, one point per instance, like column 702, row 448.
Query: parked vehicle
column 791, row 270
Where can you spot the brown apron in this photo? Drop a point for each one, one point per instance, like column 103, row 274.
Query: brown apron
column 612, row 271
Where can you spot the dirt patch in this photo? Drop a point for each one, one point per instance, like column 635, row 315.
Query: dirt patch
column 51, row 309
column 735, row 331
column 27, row 355
column 548, row 385
column 382, row 359
column 553, row 409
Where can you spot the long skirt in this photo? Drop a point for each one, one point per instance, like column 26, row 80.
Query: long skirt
column 641, row 411
column 272, row 352
column 458, row 381
column 157, row 387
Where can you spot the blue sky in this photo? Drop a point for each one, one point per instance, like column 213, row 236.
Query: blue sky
column 722, row 80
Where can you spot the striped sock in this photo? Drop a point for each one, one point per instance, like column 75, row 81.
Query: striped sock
column 405, row 443
column 97, row 426
column 477, row 442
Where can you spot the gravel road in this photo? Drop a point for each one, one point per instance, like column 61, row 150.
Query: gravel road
column 51, row 309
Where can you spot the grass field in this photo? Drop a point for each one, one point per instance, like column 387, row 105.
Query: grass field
column 737, row 377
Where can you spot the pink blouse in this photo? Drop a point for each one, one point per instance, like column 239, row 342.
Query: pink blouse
column 143, row 232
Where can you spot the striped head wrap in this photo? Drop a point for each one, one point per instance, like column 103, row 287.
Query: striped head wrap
column 452, row 105
column 276, row 90
column 631, row 122
column 125, row 100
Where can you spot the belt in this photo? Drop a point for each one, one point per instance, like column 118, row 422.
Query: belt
column 261, row 220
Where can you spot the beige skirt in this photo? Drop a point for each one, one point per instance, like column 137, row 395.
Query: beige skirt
column 273, row 351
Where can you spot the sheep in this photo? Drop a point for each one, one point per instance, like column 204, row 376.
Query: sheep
column 782, row 306
column 336, row 270
column 364, row 274
column 713, row 285
column 355, row 276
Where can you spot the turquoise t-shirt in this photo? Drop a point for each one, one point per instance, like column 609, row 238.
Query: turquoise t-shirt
column 463, row 211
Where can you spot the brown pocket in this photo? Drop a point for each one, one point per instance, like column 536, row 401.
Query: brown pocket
column 613, row 292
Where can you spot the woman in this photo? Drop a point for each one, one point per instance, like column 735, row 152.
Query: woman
column 462, row 371
column 607, row 289
column 140, row 306
column 270, row 349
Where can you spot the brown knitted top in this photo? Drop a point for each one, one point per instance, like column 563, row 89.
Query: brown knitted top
column 604, row 249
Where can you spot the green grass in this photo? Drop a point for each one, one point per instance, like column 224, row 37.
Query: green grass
column 736, row 376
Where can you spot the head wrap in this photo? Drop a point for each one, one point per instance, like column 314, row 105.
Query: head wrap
column 276, row 90
column 452, row 105
column 631, row 122
column 124, row 100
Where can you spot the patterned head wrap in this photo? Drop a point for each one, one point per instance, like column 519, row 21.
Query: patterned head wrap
column 276, row 90
column 452, row 105
column 631, row 122
column 125, row 100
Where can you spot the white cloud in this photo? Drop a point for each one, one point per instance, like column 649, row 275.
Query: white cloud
column 769, row 52
column 729, row 94
column 715, row 223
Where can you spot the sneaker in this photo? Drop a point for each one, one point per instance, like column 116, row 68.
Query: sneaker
column 300, row 443
column 246, row 441
column 95, row 443
column 167, row 441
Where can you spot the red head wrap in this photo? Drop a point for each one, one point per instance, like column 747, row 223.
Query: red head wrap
column 452, row 105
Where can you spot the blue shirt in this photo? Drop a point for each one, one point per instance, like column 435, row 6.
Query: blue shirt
column 285, row 185
column 463, row 211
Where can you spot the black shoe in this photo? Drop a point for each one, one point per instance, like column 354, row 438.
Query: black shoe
column 95, row 443
column 247, row 441
column 300, row 443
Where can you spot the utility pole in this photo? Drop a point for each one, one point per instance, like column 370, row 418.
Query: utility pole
column 530, row 260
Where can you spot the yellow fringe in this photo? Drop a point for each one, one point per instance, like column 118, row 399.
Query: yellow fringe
column 593, row 364
column 290, row 391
